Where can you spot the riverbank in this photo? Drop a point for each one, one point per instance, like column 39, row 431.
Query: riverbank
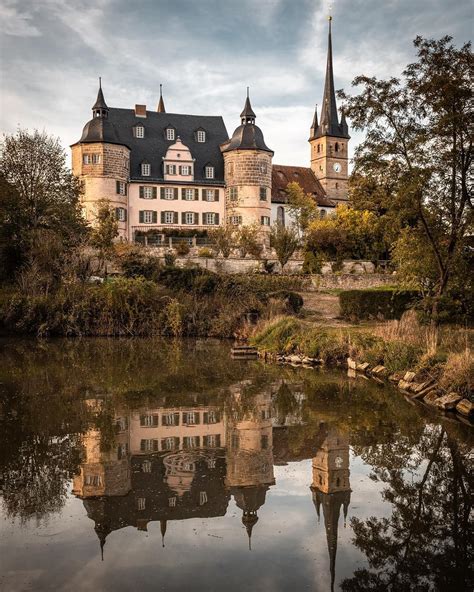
column 433, row 366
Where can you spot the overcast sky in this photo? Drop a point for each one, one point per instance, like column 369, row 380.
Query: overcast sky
column 205, row 52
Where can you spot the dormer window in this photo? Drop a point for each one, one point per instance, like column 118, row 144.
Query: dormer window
column 146, row 169
column 139, row 131
column 201, row 136
column 170, row 133
column 171, row 169
column 209, row 172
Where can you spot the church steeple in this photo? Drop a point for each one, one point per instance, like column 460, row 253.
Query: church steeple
column 161, row 103
column 100, row 108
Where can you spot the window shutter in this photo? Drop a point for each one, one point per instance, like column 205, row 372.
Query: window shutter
column 203, row 195
column 180, row 170
column 117, row 186
column 217, row 218
column 183, row 193
column 183, row 217
column 155, row 420
column 175, row 217
column 124, row 214
column 155, row 445
column 155, row 217
column 141, row 216
column 162, row 193
column 155, row 192
column 142, row 191
column 206, row 417
column 176, row 193
column 162, row 217
column 126, row 189
column 197, row 418
column 142, row 445
column 216, row 195
column 117, row 213
column 196, row 217
column 196, row 194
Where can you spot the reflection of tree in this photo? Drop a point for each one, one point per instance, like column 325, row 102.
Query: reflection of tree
column 426, row 544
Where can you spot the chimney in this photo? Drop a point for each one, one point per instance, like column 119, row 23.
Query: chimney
column 140, row 110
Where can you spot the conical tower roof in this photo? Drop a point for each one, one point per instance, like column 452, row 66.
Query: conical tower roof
column 161, row 103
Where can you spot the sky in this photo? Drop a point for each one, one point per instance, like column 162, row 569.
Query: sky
column 205, row 53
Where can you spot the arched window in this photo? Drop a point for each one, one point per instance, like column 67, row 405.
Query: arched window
column 336, row 146
column 281, row 215
column 322, row 214
column 338, row 482
column 319, row 147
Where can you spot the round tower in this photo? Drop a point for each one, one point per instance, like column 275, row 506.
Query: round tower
column 102, row 162
column 248, row 174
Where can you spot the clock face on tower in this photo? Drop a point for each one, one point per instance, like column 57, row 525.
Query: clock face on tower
column 337, row 167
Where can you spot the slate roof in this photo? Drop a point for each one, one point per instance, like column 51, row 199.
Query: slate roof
column 117, row 128
column 304, row 176
column 247, row 136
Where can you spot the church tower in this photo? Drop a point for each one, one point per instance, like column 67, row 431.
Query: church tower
column 329, row 140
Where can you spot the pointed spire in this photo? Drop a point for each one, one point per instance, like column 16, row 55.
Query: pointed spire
column 247, row 115
column 344, row 126
column 314, row 125
column 161, row 104
column 163, row 532
column 100, row 108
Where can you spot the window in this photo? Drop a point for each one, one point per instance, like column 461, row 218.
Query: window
column 139, row 131
column 209, row 195
column 148, row 217
column 191, row 418
column 211, row 463
column 263, row 194
column 146, row 169
column 86, row 159
column 148, row 421
column 281, row 215
column 319, row 148
column 337, row 185
column 189, row 194
column 121, row 188
column 169, row 193
column 210, row 218
column 121, row 423
column 189, row 217
column 201, row 136
column 322, row 214
column 170, row 133
column 172, row 502
column 235, row 220
column 212, row 441
column 169, row 217
column 146, row 466
column 171, row 169
column 263, row 167
column 170, row 419
column 96, row 159
column 185, row 170
column 209, row 172
column 149, row 445
column 265, row 220
column 169, row 443
column 95, row 480
column 122, row 451
column 230, row 168
column 233, row 193
column 141, row 501
column 202, row 498
column 121, row 214
column 147, row 193
column 336, row 146
column 191, row 442
column 211, row 417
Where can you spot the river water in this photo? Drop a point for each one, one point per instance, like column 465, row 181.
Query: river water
column 136, row 465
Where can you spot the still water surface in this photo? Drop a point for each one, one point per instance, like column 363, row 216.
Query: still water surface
column 153, row 465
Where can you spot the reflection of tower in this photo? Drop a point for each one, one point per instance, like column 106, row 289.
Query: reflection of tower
column 250, row 456
column 331, row 487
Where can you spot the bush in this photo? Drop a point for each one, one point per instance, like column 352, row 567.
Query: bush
column 136, row 263
column 170, row 258
column 313, row 262
column 293, row 300
column 205, row 253
column 182, row 249
column 458, row 374
column 387, row 303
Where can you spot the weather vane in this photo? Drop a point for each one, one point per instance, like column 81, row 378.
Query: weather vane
column 330, row 11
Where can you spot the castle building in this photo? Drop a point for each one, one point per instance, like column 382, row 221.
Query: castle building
column 162, row 171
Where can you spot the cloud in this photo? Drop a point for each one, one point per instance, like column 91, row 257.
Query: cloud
column 15, row 22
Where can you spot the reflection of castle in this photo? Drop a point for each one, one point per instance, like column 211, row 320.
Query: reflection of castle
column 177, row 463
column 330, row 487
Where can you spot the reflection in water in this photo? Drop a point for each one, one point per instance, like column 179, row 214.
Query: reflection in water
column 153, row 433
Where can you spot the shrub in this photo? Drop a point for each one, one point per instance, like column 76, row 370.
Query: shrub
column 205, row 253
column 458, row 373
column 182, row 249
column 134, row 262
column 293, row 300
column 387, row 303
column 313, row 262
column 170, row 258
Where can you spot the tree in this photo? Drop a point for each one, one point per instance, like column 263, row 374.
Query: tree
column 38, row 196
column 418, row 144
column 104, row 231
column 223, row 238
column 250, row 241
column 285, row 242
column 301, row 207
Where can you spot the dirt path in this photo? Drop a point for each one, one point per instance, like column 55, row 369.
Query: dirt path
column 322, row 309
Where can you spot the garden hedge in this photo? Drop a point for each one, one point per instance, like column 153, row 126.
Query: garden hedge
column 385, row 303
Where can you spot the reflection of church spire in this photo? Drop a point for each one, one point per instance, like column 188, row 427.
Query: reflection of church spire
column 102, row 532
column 163, row 531
column 330, row 487
column 249, row 519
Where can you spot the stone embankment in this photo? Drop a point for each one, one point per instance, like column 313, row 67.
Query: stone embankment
column 413, row 386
